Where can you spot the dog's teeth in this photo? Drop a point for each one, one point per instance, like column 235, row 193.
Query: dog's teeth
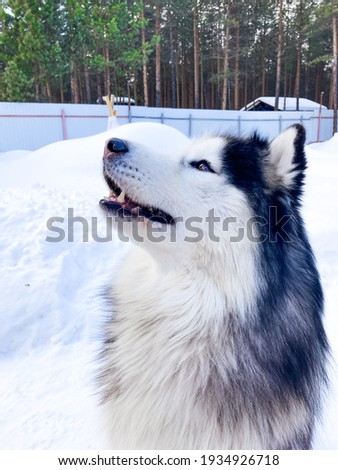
column 121, row 197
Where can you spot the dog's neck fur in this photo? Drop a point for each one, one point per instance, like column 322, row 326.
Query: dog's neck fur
column 229, row 275
column 178, row 322
column 174, row 319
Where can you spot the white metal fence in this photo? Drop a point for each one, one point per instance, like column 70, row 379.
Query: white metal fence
column 32, row 125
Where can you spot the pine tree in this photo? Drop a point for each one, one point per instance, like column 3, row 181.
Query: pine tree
column 191, row 53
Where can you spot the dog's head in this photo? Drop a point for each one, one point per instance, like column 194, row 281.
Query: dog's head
column 209, row 191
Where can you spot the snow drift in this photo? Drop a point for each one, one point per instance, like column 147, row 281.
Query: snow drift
column 50, row 309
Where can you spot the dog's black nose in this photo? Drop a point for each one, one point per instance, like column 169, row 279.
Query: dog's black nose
column 115, row 145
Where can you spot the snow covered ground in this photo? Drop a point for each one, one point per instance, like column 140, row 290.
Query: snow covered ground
column 50, row 310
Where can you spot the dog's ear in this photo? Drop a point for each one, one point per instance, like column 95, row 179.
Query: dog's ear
column 286, row 161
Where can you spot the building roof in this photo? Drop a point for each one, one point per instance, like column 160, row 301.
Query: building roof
column 291, row 103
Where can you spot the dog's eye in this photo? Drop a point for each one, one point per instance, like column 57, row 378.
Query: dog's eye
column 202, row 165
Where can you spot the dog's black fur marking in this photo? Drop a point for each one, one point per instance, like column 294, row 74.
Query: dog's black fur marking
column 295, row 366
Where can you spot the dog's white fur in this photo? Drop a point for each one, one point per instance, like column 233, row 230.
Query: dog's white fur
column 163, row 355
column 172, row 302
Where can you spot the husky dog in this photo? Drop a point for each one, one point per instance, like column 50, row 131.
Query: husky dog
column 216, row 339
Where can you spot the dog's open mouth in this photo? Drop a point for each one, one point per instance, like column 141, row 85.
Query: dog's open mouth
column 122, row 206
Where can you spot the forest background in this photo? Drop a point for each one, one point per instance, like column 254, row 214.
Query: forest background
column 215, row 54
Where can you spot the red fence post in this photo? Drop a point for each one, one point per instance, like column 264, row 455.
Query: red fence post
column 320, row 116
column 64, row 127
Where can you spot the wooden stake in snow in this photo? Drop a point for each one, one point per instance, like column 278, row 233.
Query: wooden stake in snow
column 335, row 71
column 112, row 119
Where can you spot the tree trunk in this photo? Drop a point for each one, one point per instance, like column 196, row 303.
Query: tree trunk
column 219, row 53
column 299, row 54
column 37, row 82
column 330, row 92
column 236, row 106
column 306, row 79
column 62, row 96
column 212, row 91
column 158, row 102
column 184, row 83
column 144, row 63
column 172, row 61
column 37, row 92
column 335, row 71
column 286, row 63
column 290, row 79
column 107, row 84
column 318, row 82
column 115, row 88
column 49, row 92
column 191, row 91
column 87, row 84
column 196, row 59
column 99, row 87
column 279, row 53
column 202, row 83
column 74, row 84
column 177, row 83
column 285, row 83
column 246, row 81
column 169, row 104
column 226, row 59
column 135, row 88
column 164, row 83
column 263, row 40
